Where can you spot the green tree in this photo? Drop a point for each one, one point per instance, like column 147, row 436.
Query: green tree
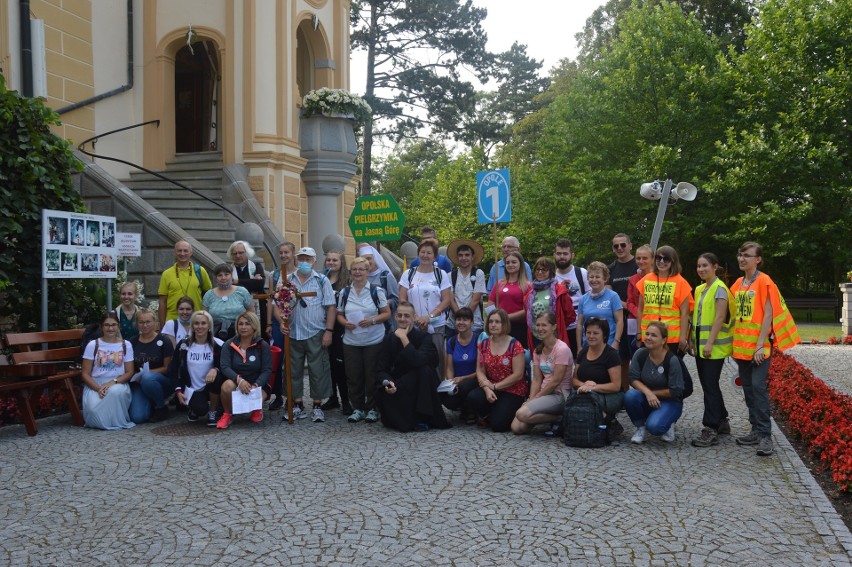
column 725, row 19
column 35, row 174
column 783, row 172
column 415, row 52
column 652, row 106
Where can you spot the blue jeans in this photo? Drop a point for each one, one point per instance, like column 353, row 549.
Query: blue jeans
column 149, row 393
column 756, row 395
column 656, row 420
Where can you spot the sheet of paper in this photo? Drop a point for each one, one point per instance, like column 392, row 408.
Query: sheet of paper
column 447, row 387
column 244, row 403
column 632, row 327
column 146, row 367
column 187, row 392
column 490, row 308
column 136, row 377
column 356, row 317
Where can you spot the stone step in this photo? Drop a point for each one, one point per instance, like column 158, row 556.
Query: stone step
column 173, row 193
column 211, row 221
column 196, row 157
column 190, row 179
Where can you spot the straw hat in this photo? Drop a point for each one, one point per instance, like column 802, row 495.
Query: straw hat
column 453, row 248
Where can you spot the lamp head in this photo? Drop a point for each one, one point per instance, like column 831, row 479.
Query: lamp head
column 652, row 191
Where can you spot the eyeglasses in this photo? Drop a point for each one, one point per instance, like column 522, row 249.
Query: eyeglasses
column 540, row 269
column 741, row 255
column 619, row 245
column 357, row 269
column 662, row 259
column 110, row 325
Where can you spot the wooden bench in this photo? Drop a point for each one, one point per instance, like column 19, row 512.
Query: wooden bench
column 35, row 368
column 811, row 304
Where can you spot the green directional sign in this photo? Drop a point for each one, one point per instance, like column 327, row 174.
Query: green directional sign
column 376, row 217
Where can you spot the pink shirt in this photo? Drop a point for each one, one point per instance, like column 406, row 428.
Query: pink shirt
column 560, row 354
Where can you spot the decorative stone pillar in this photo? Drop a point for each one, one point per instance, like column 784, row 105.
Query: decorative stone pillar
column 330, row 147
column 846, row 315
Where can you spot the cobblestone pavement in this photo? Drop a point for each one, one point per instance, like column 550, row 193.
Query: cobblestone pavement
column 356, row 494
column 831, row 363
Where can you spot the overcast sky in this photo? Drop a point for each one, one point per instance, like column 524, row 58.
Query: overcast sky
column 547, row 27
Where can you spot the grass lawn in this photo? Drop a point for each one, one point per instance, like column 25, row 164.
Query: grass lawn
column 808, row 331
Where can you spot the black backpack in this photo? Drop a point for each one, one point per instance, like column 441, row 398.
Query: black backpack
column 583, row 423
column 687, row 377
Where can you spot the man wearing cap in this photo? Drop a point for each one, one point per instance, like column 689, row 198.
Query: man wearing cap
column 510, row 244
column 468, row 282
column 310, row 330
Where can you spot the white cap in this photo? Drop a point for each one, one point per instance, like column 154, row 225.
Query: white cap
column 306, row 251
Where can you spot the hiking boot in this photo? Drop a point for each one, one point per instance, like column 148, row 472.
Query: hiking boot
column 724, row 427
column 330, row 404
column 317, row 416
column 639, row 436
column 224, row 421
column 160, row 414
column 764, row 447
column 707, row 438
column 356, row 416
column 191, row 417
column 750, row 439
column 669, row 435
column 256, row 416
column 276, row 404
column 372, row 416
column 211, row 419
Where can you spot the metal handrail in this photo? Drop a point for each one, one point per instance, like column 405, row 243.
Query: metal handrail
column 94, row 140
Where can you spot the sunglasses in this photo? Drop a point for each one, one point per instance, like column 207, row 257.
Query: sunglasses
column 619, row 245
column 663, row 259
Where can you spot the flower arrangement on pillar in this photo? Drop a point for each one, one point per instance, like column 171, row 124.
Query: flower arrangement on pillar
column 336, row 103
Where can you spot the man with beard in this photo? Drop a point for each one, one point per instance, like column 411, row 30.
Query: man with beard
column 574, row 278
column 620, row 271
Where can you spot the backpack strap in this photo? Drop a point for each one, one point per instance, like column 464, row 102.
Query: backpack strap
column 578, row 273
column 198, row 275
column 276, row 274
column 383, row 279
column 175, row 321
column 454, row 276
column 374, row 293
column 344, row 297
column 411, row 275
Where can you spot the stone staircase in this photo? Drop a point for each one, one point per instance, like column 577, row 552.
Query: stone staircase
column 202, row 172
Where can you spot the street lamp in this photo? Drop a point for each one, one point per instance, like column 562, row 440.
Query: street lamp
column 654, row 191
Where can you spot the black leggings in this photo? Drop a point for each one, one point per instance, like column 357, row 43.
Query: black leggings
column 500, row 413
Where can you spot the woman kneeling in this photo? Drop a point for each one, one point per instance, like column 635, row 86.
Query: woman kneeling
column 655, row 401
column 552, row 367
column 246, row 365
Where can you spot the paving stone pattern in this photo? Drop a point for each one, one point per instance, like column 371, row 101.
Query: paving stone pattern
column 336, row 493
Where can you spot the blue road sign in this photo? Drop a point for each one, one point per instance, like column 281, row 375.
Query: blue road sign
column 493, row 196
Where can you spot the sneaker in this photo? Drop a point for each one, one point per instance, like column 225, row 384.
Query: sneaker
column 332, row 403
column 615, row 428
column 724, row 427
column 707, row 438
column 224, row 421
column 356, row 416
column 639, row 436
column 160, row 414
column 372, row 416
column 750, row 439
column 191, row 417
column 298, row 413
column 555, row 431
column 317, row 416
column 346, row 408
column 764, row 447
column 276, row 404
column 256, row 416
column 211, row 419
column 669, row 435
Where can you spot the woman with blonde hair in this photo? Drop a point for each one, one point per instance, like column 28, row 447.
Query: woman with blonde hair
column 246, row 365
column 666, row 297
column 508, row 294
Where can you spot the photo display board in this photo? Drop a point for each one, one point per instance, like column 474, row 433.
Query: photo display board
column 77, row 245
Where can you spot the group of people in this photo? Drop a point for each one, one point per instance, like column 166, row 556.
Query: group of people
column 507, row 353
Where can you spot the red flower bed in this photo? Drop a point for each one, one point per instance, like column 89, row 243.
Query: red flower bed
column 47, row 405
column 816, row 412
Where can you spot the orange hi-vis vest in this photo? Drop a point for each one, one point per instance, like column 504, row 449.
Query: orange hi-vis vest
column 662, row 298
column 750, row 303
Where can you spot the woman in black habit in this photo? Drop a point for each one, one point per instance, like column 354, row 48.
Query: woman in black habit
column 406, row 388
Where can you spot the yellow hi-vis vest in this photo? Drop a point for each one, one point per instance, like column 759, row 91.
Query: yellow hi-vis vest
column 748, row 316
column 723, row 346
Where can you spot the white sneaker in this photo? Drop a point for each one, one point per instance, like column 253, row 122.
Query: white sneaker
column 639, row 436
column 298, row 413
column 317, row 416
column 669, row 435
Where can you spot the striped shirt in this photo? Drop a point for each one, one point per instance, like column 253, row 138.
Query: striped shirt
column 308, row 320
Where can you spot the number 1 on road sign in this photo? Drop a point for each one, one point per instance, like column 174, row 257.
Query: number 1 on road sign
column 493, row 196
